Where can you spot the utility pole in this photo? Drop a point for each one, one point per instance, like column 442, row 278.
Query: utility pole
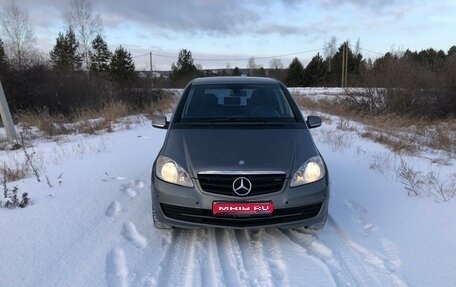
column 343, row 67
column 6, row 117
column 151, row 71
column 346, row 65
column 344, row 78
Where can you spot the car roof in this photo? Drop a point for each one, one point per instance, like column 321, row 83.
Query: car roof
column 234, row 80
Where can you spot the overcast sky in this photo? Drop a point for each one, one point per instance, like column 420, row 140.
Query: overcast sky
column 228, row 30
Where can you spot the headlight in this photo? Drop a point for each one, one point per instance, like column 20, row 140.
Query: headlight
column 168, row 170
column 312, row 170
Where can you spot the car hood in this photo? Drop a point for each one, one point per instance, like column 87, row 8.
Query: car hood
column 208, row 149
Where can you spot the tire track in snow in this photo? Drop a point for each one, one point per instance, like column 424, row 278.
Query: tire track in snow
column 392, row 259
column 251, row 249
column 373, row 268
column 177, row 267
column 230, row 257
column 349, row 263
column 272, row 251
column 209, row 266
column 307, row 241
column 191, row 259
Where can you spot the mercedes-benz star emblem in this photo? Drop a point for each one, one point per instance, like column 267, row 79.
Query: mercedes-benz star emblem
column 242, row 186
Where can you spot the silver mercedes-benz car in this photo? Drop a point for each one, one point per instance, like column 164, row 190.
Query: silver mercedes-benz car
column 238, row 154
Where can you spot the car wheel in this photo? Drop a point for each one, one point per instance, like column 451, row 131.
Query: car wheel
column 158, row 224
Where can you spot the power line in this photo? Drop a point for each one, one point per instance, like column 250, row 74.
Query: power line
column 137, row 56
column 366, row 50
column 373, row 52
column 233, row 59
column 256, row 58
column 152, row 54
column 262, row 58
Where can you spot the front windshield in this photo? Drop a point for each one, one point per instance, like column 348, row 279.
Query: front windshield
column 234, row 102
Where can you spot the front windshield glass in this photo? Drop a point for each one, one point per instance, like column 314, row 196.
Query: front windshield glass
column 233, row 102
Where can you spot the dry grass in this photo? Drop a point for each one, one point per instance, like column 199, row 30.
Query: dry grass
column 441, row 188
column 442, row 139
column 345, row 125
column 321, row 105
column 411, row 179
column 90, row 121
column 395, row 145
column 336, row 140
column 17, row 172
column 3, row 142
column 49, row 124
column 114, row 110
column 400, row 133
column 162, row 106
column 381, row 162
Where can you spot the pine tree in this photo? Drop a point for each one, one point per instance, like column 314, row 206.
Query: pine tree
column 64, row 56
column 99, row 58
column 184, row 69
column 236, row 71
column 356, row 64
column 452, row 51
column 315, row 72
column 295, row 76
column 121, row 67
column 184, row 64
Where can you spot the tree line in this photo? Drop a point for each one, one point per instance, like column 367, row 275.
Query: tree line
column 81, row 72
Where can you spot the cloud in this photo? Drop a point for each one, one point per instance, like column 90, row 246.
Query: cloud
column 281, row 29
column 190, row 16
column 215, row 18
column 370, row 4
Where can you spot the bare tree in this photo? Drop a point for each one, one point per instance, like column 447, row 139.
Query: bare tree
column 357, row 47
column 330, row 50
column 18, row 35
column 275, row 63
column 251, row 66
column 87, row 25
column 227, row 69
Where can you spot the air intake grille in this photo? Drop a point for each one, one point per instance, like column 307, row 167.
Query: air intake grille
column 223, row 184
column 204, row 216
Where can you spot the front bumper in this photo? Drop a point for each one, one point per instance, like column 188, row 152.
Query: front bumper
column 192, row 208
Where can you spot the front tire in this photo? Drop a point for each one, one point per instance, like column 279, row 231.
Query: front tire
column 319, row 225
column 158, row 224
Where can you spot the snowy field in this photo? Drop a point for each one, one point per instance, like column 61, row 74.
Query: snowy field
column 90, row 223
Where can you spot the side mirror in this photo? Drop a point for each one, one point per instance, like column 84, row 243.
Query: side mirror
column 313, row 122
column 160, row 122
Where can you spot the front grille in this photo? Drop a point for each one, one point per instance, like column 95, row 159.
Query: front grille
column 223, row 183
column 204, row 216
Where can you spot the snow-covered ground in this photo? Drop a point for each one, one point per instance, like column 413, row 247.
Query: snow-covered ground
column 90, row 224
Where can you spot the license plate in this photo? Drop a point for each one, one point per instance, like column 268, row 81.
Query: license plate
column 242, row 208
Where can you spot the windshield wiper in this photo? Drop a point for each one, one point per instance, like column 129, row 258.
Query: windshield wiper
column 241, row 120
column 236, row 120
